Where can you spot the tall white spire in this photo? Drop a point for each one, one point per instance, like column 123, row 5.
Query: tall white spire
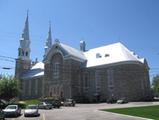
column 25, row 34
column 48, row 43
column 24, row 49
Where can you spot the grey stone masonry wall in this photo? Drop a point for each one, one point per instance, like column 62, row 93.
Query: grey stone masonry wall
column 128, row 81
column 94, row 85
column 76, row 83
column 32, row 88
column 131, row 81
column 47, row 78
column 57, row 77
column 21, row 66
column 68, row 78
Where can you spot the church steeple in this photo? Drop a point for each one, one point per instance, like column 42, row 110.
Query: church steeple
column 48, row 43
column 24, row 49
column 25, row 34
column 23, row 61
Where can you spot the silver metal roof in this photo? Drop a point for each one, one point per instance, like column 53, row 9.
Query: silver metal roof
column 105, row 55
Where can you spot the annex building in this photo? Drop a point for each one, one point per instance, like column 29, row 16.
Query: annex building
column 102, row 73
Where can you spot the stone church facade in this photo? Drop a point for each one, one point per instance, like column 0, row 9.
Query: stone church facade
column 107, row 72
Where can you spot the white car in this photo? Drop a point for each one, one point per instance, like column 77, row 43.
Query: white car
column 12, row 110
column 31, row 110
column 69, row 102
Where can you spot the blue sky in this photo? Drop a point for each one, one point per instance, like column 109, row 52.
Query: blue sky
column 135, row 23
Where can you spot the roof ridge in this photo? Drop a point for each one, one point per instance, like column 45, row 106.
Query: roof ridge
column 104, row 46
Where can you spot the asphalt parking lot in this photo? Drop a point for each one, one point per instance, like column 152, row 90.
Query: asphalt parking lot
column 85, row 112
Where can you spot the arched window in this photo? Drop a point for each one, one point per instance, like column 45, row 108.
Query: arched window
column 57, row 66
column 22, row 53
column 56, row 70
column 26, row 54
column 19, row 53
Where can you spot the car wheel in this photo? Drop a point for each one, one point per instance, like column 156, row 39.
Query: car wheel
column 16, row 115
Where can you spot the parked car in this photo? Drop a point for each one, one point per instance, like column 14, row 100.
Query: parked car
column 45, row 105
column 122, row 101
column 12, row 110
column 2, row 117
column 56, row 103
column 111, row 101
column 69, row 102
column 31, row 110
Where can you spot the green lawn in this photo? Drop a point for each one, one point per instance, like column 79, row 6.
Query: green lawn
column 151, row 112
column 31, row 101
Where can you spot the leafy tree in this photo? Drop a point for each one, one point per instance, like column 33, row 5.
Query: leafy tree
column 155, row 85
column 9, row 87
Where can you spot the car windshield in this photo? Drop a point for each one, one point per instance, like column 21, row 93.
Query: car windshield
column 32, row 107
column 69, row 100
column 11, row 107
column 46, row 102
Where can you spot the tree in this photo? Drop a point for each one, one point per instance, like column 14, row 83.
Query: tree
column 155, row 85
column 9, row 87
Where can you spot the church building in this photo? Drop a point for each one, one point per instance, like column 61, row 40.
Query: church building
column 98, row 74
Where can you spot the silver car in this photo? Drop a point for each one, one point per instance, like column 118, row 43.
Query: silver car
column 69, row 102
column 31, row 110
column 12, row 110
column 45, row 105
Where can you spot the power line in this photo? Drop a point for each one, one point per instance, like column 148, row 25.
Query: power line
column 7, row 68
column 7, row 57
column 7, row 60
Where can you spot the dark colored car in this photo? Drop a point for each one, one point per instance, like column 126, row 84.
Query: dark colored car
column 56, row 103
column 45, row 105
column 111, row 101
column 2, row 116
column 69, row 102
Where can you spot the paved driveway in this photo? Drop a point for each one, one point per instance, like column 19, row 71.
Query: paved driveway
column 86, row 112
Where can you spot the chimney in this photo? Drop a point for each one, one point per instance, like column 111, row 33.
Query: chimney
column 82, row 46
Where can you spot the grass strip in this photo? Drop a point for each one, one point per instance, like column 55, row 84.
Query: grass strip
column 151, row 112
column 31, row 101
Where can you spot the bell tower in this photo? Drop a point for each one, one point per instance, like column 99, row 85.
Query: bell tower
column 23, row 61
